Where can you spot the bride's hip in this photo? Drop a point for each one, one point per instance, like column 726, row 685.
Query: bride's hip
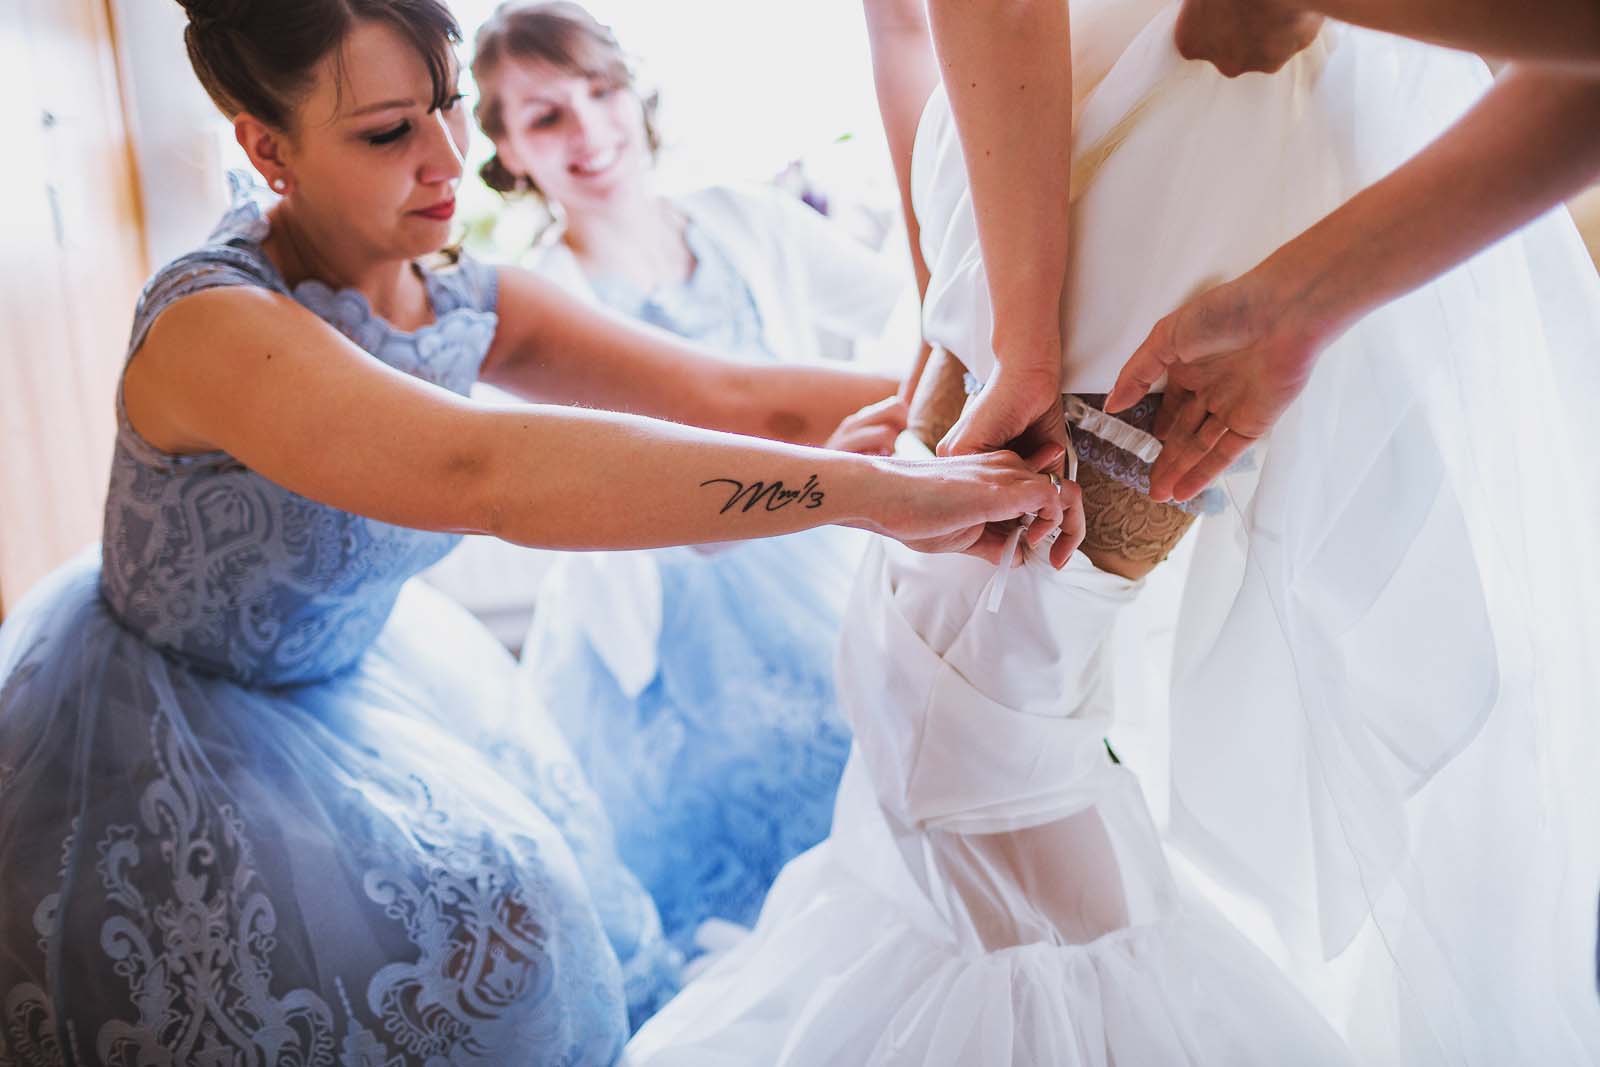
column 1126, row 533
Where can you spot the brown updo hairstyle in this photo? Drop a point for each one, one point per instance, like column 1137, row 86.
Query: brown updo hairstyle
column 562, row 35
column 258, row 56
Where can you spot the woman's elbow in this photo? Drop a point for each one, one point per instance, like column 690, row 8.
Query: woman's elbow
column 473, row 485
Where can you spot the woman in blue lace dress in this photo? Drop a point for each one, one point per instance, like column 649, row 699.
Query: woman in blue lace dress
column 695, row 687
column 263, row 802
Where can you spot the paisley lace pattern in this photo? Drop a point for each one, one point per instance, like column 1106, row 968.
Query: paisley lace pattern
column 246, row 579
column 191, row 929
column 197, row 963
column 28, row 1033
column 652, row 966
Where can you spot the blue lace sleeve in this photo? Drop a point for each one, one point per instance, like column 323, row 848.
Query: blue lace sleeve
column 231, row 256
column 210, row 267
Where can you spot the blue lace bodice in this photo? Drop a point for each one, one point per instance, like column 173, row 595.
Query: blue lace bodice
column 713, row 306
column 232, row 572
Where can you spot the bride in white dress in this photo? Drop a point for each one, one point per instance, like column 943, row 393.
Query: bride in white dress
column 1382, row 700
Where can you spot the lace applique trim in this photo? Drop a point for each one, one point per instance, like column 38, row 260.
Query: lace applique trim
column 1110, row 429
column 1102, row 442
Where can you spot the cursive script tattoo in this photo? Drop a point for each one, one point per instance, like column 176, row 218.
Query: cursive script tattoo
column 770, row 495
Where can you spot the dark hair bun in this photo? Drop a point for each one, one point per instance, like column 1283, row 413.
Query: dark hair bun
column 207, row 14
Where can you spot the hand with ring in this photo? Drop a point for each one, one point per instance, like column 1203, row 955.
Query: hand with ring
column 1234, row 358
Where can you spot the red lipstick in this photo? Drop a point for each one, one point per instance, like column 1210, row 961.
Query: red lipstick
column 441, row 211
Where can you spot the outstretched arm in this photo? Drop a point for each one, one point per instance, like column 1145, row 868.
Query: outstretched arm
column 551, row 348
column 253, row 374
column 1237, row 355
column 1546, row 31
column 1007, row 67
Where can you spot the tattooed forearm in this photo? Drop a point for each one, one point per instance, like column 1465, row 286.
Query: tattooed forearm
column 771, row 496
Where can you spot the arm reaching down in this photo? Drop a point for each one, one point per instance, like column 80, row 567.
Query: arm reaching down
column 553, row 349
column 904, row 73
column 1007, row 67
column 872, row 430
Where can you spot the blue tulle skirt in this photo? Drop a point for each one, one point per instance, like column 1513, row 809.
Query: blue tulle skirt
column 399, row 864
column 724, row 765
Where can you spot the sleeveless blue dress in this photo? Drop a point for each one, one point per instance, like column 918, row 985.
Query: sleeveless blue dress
column 724, row 765
column 263, row 801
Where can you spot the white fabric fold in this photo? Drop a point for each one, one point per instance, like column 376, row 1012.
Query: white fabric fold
column 615, row 598
column 994, row 890
column 940, row 719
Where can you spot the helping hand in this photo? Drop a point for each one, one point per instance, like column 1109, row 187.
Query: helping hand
column 1234, row 360
column 872, row 430
column 1020, row 409
column 1017, row 409
column 970, row 504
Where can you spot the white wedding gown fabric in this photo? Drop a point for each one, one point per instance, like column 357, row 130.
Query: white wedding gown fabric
column 1383, row 692
column 994, row 890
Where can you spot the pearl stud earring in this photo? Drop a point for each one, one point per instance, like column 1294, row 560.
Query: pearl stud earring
column 279, row 185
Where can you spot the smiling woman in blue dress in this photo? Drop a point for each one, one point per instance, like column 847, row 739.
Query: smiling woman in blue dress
column 261, row 801
column 696, row 687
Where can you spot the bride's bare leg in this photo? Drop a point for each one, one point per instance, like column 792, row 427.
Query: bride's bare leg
column 1060, row 881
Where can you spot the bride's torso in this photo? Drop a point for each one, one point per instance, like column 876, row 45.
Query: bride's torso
column 1181, row 179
